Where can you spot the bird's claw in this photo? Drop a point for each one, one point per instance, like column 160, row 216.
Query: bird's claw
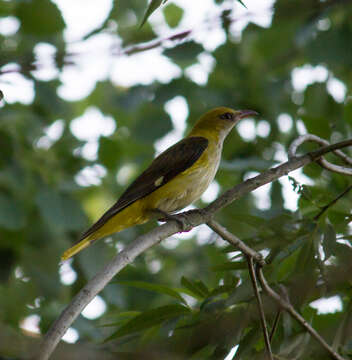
column 183, row 223
column 181, row 220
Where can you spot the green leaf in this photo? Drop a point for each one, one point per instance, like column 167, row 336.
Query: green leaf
column 247, row 341
column 153, row 123
column 173, row 14
column 108, row 150
column 30, row 14
column 290, row 249
column 122, row 317
column 149, row 319
column 150, row 334
column 184, row 54
column 154, row 4
column 321, row 110
column 284, row 268
column 197, row 288
column 202, row 287
column 305, row 260
column 329, row 241
column 251, row 220
column 242, row 293
column 60, row 210
column 345, row 237
column 204, row 353
column 161, row 289
column 234, row 265
column 242, row 3
column 12, row 216
column 222, row 289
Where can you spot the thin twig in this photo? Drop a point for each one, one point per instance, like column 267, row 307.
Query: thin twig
column 275, row 325
column 260, row 307
column 284, row 293
column 335, row 168
column 290, row 309
column 331, row 203
column 142, row 243
column 292, row 152
column 235, row 241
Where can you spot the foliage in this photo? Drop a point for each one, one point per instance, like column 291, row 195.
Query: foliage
column 190, row 298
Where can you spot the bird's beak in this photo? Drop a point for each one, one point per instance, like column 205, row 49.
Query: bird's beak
column 241, row 114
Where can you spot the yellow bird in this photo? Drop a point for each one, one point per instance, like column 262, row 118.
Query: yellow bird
column 175, row 179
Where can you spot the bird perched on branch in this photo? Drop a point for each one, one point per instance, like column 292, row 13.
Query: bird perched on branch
column 175, row 179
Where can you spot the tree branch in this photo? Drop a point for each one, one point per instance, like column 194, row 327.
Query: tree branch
column 235, row 241
column 331, row 203
column 275, row 325
column 253, row 276
column 292, row 151
column 284, row 293
column 290, row 309
column 144, row 242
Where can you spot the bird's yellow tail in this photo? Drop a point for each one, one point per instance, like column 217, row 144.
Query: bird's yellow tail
column 76, row 248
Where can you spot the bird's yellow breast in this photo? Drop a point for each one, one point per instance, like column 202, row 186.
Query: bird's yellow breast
column 189, row 185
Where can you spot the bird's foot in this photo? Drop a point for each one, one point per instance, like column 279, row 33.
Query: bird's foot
column 181, row 219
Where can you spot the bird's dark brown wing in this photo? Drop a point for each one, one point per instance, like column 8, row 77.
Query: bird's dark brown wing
column 166, row 166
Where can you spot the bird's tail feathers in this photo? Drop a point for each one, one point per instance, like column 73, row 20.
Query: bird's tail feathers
column 76, row 248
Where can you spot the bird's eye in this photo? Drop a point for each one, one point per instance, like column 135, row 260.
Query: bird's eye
column 228, row 116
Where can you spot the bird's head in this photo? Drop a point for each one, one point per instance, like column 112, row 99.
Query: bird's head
column 220, row 121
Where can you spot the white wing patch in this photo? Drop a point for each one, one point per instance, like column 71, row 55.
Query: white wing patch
column 158, row 181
